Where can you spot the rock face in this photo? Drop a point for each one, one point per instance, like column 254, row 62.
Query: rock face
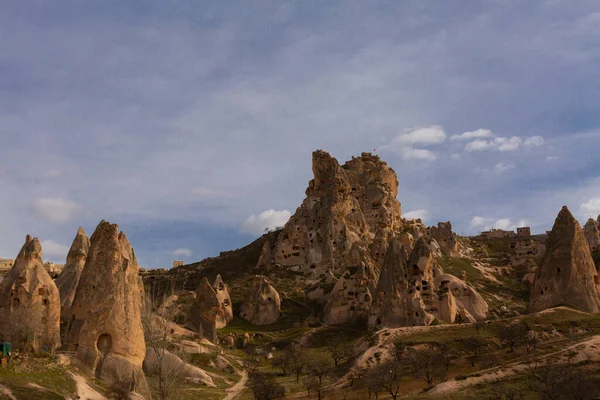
column 30, row 301
column 414, row 291
column 591, row 231
column 68, row 280
column 262, row 305
column 345, row 206
column 173, row 363
column 351, row 297
column 443, row 235
column 203, row 314
column 567, row 275
column 225, row 313
column 106, row 328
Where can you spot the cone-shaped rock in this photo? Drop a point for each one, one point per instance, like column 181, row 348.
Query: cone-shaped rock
column 225, row 312
column 262, row 305
column 106, row 326
column 68, row 280
column 30, row 301
column 203, row 314
column 389, row 306
column 567, row 275
column 591, row 231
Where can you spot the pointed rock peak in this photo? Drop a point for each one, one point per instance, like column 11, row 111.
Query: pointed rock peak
column 395, row 252
column 218, row 280
column 80, row 231
column 31, row 248
column 80, row 246
column 324, row 166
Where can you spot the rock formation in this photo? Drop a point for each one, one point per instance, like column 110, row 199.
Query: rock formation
column 225, row 313
column 567, row 275
column 68, row 280
column 591, row 231
column 353, row 204
column 262, row 305
column 106, row 327
column 204, row 312
column 443, row 235
column 351, row 297
column 30, row 301
column 470, row 306
column 389, row 305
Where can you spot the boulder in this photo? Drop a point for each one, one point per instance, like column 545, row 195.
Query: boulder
column 567, row 275
column 469, row 303
column 30, row 301
column 105, row 330
column 262, row 304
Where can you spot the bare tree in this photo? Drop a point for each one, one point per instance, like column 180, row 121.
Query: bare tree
column 553, row 380
column 514, row 334
column 340, row 352
column 505, row 393
column 264, row 387
column 389, row 375
column 299, row 365
column 474, row 346
column 427, row 364
column 157, row 321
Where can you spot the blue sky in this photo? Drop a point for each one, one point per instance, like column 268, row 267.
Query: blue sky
column 185, row 122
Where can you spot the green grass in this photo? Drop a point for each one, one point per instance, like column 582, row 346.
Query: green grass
column 39, row 371
column 455, row 266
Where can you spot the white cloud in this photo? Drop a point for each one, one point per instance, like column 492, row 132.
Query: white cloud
column 508, row 144
column 479, row 133
column 455, row 156
column 478, row 145
column 269, row 219
column 54, row 251
column 551, row 158
column 591, row 208
column 182, row 252
column 430, row 135
column 408, row 153
column 55, row 210
column 504, row 224
column 503, row 143
column 534, row 141
column 420, row 213
column 503, row 167
column 478, row 221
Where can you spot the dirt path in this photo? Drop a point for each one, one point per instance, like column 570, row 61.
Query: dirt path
column 7, row 392
column 237, row 388
column 84, row 391
column 586, row 350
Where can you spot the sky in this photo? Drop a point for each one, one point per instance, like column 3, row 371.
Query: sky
column 191, row 123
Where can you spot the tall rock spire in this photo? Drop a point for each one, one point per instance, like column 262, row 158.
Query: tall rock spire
column 567, row 275
column 106, row 326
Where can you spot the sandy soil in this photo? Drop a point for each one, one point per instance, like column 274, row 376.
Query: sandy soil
column 84, row 391
column 6, row 392
column 586, row 350
column 236, row 389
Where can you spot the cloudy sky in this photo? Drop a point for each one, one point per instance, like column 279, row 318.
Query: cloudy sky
column 191, row 123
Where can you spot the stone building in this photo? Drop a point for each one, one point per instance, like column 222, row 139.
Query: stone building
column 178, row 263
column 524, row 232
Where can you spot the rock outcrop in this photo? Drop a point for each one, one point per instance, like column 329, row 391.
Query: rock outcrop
column 171, row 362
column 225, row 313
column 351, row 297
column 105, row 330
column 353, row 204
column 444, row 236
column 470, row 306
column 30, row 301
column 263, row 303
column 204, row 312
column 389, row 305
column 591, row 231
column 567, row 275
column 68, row 280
